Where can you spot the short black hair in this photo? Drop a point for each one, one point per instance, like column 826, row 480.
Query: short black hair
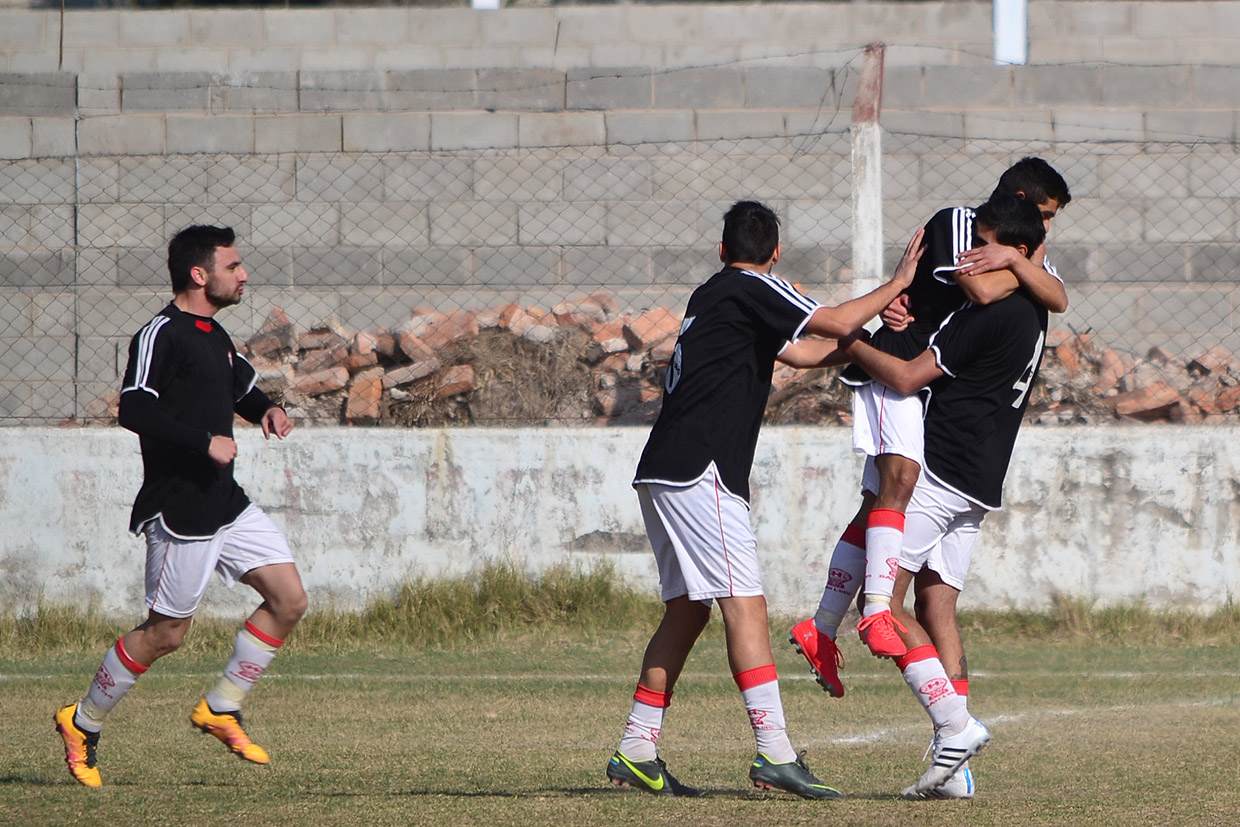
column 1015, row 220
column 1037, row 179
column 195, row 247
column 750, row 233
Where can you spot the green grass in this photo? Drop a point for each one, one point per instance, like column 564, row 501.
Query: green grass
column 1099, row 718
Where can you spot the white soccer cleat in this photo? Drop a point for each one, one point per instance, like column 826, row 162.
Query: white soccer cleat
column 959, row 785
column 949, row 754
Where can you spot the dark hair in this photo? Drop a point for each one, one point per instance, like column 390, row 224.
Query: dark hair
column 1035, row 178
column 750, row 233
column 1015, row 221
column 195, row 247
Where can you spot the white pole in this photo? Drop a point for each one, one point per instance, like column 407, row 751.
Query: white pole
column 1011, row 31
column 867, row 174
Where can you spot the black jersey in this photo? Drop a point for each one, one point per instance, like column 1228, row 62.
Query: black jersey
column 990, row 356
column 719, row 378
column 182, row 385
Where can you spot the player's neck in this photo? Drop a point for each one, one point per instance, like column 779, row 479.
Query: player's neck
column 196, row 302
column 753, row 268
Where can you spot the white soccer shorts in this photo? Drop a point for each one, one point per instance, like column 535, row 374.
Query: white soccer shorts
column 702, row 541
column 940, row 531
column 886, row 422
column 178, row 570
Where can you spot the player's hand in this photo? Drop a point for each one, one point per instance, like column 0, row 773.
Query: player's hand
column 276, row 421
column 987, row 259
column 907, row 267
column 1039, row 255
column 222, row 450
column 895, row 315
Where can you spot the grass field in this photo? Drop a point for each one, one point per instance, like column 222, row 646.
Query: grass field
column 515, row 727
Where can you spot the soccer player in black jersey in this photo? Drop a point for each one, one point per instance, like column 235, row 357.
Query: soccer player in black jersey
column 977, row 372
column 183, row 384
column 887, row 424
column 693, row 486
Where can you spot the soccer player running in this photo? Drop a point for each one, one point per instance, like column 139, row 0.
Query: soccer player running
column 888, row 424
column 978, row 370
column 693, row 486
column 182, row 385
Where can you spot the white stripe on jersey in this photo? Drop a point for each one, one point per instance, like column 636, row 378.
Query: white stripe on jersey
column 146, row 352
column 253, row 379
column 786, row 290
column 962, row 239
column 938, row 357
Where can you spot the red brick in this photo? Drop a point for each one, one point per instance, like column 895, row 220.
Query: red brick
column 323, row 381
column 449, row 329
column 1215, row 360
column 1153, row 401
column 456, row 380
column 662, row 351
column 386, row 344
column 410, row 373
column 311, row 361
column 365, row 397
column 651, row 327
column 413, row 348
column 1112, row 367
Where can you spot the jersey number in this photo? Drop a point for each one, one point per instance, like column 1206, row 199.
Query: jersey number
column 675, row 369
column 1026, row 377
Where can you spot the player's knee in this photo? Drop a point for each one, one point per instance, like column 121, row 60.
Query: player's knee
column 290, row 608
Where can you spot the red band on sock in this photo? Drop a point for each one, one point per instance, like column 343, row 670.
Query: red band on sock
column 126, row 661
column 961, row 687
column 755, row 677
column 263, row 636
column 651, row 697
column 854, row 535
column 917, row 653
column 886, row 518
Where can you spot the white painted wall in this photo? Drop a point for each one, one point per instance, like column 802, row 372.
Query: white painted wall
column 1113, row 513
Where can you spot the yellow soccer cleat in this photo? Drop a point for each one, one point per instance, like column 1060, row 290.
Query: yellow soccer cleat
column 226, row 726
column 80, row 747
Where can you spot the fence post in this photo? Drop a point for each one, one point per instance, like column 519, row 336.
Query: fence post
column 867, row 174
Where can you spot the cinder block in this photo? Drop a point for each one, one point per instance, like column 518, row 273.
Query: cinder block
column 1168, row 21
column 1216, row 86
column 15, row 137
column 89, row 29
column 471, row 57
column 528, row 176
column 387, row 225
column 443, row 25
column 772, row 87
column 36, row 269
column 681, row 265
column 517, row 26
column 562, row 129
column 227, row 28
column 541, row 90
column 269, row 58
column 1136, row 263
column 334, row 58
column 162, row 91
column 1192, row 310
column 24, row 28
column 299, row 27
column 15, row 403
column 470, row 130
column 336, row 267
column 808, row 266
column 179, row 216
column 605, row 266
column 304, row 225
column 254, row 92
column 297, row 133
column 1150, row 176
column 713, row 88
column 1190, row 125
column 190, row 60
column 1214, row 174
column 607, row 178
column 53, row 314
column 1057, row 85
column 122, row 135
column 110, row 312
column 515, row 266
column 115, row 62
column 739, row 124
column 1145, row 86
column 426, row 266
column 810, row 224
column 661, row 223
column 608, row 89
column 37, row 358
column 1076, row 125
column 164, row 179
column 421, row 177
column 121, row 225
column 51, row 93
column 98, row 94
column 161, row 29
column 1190, row 219
column 1010, row 124
column 142, row 268
column 563, row 223
column 52, row 137
column 683, row 177
column 372, row 26
column 590, row 24
column 473, row 224
column 665, row 23
column 255, row 179
column 639, row 128
column 1115, row 221
column 1214, row 263
column 102, row 360
column 1068, row 21
column 432, row 89
column 42, row 61
column 387, row 132
column 339, row 179
column 626, row 53
column 959, row 87
column 214, row 134
column 341, row 91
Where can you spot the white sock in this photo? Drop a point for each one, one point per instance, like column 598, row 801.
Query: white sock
column 116, row 676
column 252, row 653
column 640, row 741
column 925, row 675
column 843, row 580
column 884, row 534
column 760, row 691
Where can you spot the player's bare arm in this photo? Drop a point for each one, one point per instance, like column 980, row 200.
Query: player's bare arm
column 897, row 374
column 276, row 421
column 994, row 271
column 841, row 320
column 817, row 353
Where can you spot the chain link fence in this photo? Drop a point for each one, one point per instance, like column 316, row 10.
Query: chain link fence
column 530, row 286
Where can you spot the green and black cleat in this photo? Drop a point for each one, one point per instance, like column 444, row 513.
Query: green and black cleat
column 792, row 777
column 651, row 776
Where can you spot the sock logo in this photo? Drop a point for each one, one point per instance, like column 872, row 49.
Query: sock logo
column 893, row 565
column 757, row 718
column 247, row 671
column 838, row 579
column 104, row 680
column 935, row 690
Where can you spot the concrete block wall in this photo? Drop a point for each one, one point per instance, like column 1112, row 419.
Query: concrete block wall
column 377, row 160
